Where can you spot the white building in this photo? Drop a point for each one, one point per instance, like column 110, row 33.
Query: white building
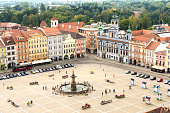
column 54, row 42
column 115, row 44
column 10, row 50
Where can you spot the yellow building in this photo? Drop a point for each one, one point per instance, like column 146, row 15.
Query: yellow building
column 68, row 47
column 167, row 61
column 2, row 57
column 37, row 45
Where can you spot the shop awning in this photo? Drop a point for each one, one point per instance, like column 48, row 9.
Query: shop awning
column 158, row 67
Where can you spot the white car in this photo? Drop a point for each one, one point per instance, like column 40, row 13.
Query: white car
column 59, row 66
column 167, row 82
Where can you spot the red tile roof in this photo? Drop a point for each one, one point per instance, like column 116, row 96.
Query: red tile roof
column 54, row 18
column 165, row 39
column 142, row 38
column 8, row 24
column 8, row 40
column 27, row 34
column 71, row 27
column 43, row 23
column 141, row 32
column 153, row 45
column 52, row 31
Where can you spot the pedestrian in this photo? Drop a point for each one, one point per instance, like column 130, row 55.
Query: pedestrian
column 103, row 69
column 123, row 91
column 102, row 93
column 31, row 102
column 66, row 72
column 105, row 75
column 143, row 98
column 92, row 88
column 109, row 91
column 59, row 71
column 43, row 87
column 130, row 87
column 113, row 90
column 53, row 78
column 3, row 84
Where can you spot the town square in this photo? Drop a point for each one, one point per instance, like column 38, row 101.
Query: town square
column 46, row 100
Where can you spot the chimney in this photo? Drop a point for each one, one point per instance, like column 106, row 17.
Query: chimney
column 78, row 22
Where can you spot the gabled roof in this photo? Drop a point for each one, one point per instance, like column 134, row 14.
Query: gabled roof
column 8, row 40
column 73, row 35
column 54, row 18
column 27, row 34
column 43, row 23
column 8, row 24
column 153, row 45
column 71, row 27
column 52, row 31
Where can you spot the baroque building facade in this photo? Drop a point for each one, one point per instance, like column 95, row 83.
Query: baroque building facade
column 115, row 43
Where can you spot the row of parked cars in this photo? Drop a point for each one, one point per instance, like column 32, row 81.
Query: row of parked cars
column 57, row 67
column 145, row 76
column 13, row 75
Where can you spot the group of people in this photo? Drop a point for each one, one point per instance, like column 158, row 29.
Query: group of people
column 108, row 91
column 44, row 87
column 30, row 102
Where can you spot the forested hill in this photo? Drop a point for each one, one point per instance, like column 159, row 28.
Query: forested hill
column 151, row 12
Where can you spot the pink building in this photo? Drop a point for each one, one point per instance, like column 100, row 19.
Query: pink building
column 160, row 58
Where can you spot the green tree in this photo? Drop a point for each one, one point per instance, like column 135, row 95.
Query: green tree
column 134, row 22
column 146, row 22
column 42, row 7
column 14, row 19
column 123, row 24
column 25, row 20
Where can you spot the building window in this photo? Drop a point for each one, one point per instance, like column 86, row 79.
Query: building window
column 8, row 48
column 12, row 47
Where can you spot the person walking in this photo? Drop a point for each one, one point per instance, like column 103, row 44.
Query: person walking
column 66, row 72
column 105, row 75
column 43, row 87
column 102, row 93
column 31, row 102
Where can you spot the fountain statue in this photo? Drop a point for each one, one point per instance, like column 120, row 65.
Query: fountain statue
column 73, row 82
column 74, row 87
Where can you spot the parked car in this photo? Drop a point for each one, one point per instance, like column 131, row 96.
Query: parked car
column 138, row 75
column 128, row 72
column 19, row 74
column 50, row 69
column 146, row 76
column 66, row 66
column 153, row 78
column 16, row 74
column 160, row 80
column 69, row 65
column 1, row 78
column 23, row 74
column 7, row 77
column 62, row 66
column 40, row 70
column 72, row 65
column 167, row 82
column 11, row 75
column 33, row 72
column 58, row 66
column 26, row 73
column 142, row 75
column 37, row 71
column 4, row 77
column 53, row 68
column 44, row 70
column 134, row 73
